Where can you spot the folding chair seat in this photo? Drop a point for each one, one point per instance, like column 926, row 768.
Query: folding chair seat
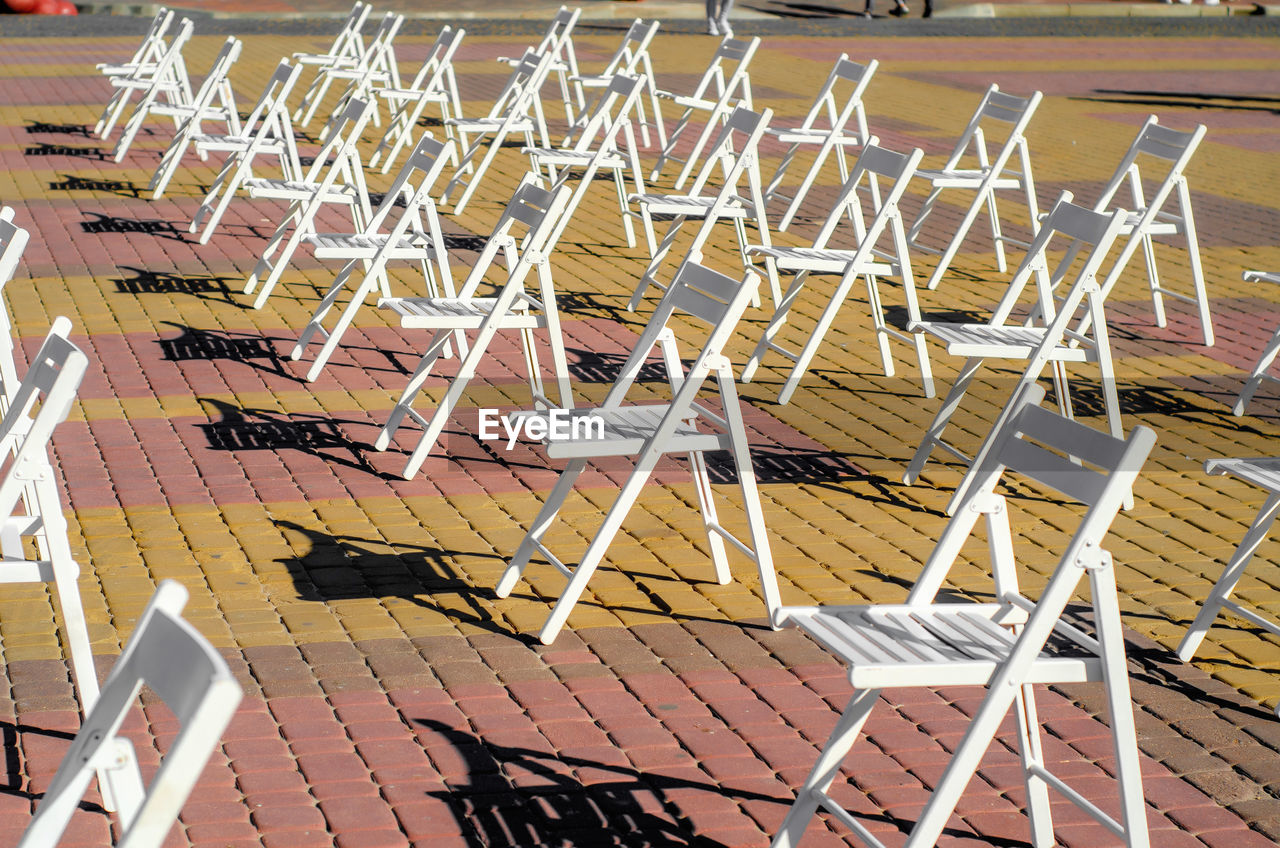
column 518, row 109
column 1073, row 330
column 605, row 141
column 267, row 131
column 345, row 51
column 149, row 51
column 833, row 137
column 166, row 78
column 631, row 58
column 723, row 86
column 377, row 69
column 558, row 41
column 214, row 101
column 435, row 83
column 984, row 174
column 1263, row 472
column 1007, row 646
column 336, row 177
column 178, row 665
column 1148, row 218
column 732, row 156
column 415, row 235
column 1268, row 356
column 865, row 257
column 648, row 431
column 536, row 211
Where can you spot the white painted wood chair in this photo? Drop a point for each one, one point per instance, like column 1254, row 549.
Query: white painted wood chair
column 606, row 141
column 972, row 167
column 518, row 109
column 167, row 78
column 435, row 83
column 377, row 70
column 535, row 211
column 631, row 58
column 826, row 126
column 13, row 241
column 1159, row 147
column 266, row 132
column 1268, row 356
column 714, row 196
column 724, row 85
column 415, row 235
column 1009, row 645
column 335, row 178
column 875, row 249
column 648, row 431
column 149, row 50
column 346, row 50
column 31, row 513
column 1263, row 472
column 213, row 101
column 1073, row 330
column 558, row 41
column 167, row 655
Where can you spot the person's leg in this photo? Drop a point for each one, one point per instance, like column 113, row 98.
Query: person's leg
column 723, row 18
column 713, row 17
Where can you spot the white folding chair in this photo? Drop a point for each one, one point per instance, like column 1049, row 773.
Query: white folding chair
column 415, row 235
column 631, row 58
column 336, row 177
column 149, row 51
column 606, row 141
column 732, row 157
column 1263, row 472
column 167, row 655
column 267, row 131
column 649, row 431
column 537, row 212
column 214, row 101
column 435, row 83
column 558, row 41
column 166, row 78
column 346, row 50
column 1008, row 645
column 518, row 109
column 866, row 257
column 1269, row 352
column 723, row 86
column 376, row 70
column 13, row 241
column 1150, row 217
column 1074, row 330
column 983, row 174
column 826, row 126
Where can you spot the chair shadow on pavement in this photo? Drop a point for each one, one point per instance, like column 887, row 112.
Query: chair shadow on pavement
column 193, row 344
column 144, row 281
column 71, row 182
column 125, row 226
column 319, row 434
column 1187, row 99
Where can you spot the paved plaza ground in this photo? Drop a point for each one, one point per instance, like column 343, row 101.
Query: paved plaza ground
column 393, row 699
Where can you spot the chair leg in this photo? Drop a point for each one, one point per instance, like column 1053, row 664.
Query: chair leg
column 824, row 771
column 649, row 277
column 358, row 298
column 877, row 323
column 420, row 374
column 1153, row 278
column 815, row 339
column 953, row 247
column 546, row 515
column 1031, row 752
column 933, row 436
column 776, row 323
column 1197, row 269
column 707, row 507
column 1231, row 575
column 1259, row 373
column 997, row 234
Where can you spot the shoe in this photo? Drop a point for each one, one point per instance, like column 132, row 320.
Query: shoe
column 725, row 29
column 900, row 11
column 713, row 26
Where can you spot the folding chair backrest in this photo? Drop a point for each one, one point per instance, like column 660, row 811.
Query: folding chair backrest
column 152, row 46
column 532, row 208
column 271, row 101
column 558, row 39
column 170, row 657
column 996, row 105
column 632, row 55
column 339, row 154
column 522, row 87
column 828, row 110
column 726, row 76
column 436, row 73
column 412, row 186
column 717, row 300
column 216, row 84
column 348, row 42
column 887, row 174
column 733, row 149
column 610, row 113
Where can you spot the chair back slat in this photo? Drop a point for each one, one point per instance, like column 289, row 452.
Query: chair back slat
column 1011, row 108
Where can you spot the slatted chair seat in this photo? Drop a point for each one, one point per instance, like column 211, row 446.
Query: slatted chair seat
column 1008, row 646
column 418, row 313
column 1004, row 342
column 879, row 251
column 648, row 431
column 835, row 121
column 278, row 189
column 361, row 246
